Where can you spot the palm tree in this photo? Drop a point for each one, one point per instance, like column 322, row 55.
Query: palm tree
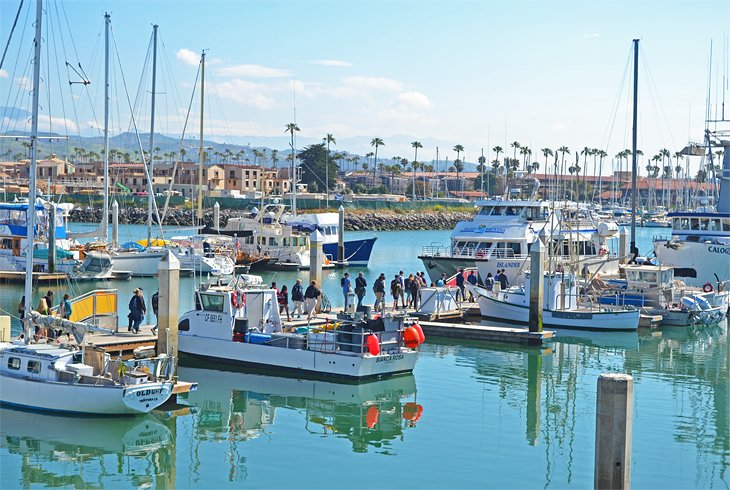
column 416, row 145
column 376, row 142
column 291, row 128
column 525, row 152
column 459, row 166
column 497, row 150
column 458, row 149
column 328, row 139
column 515, row 146
column 546, row 152
column 563, row 150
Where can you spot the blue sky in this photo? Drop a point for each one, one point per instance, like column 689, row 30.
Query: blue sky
column 476, row 73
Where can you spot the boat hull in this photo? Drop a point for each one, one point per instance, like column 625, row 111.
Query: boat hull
column 140, row 264
column 495, row 309
column 357, row 252
column 299, row 362
column 82, row 399
column 696, row 263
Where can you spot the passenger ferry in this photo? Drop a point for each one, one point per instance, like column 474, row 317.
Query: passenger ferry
column 501, row 233
column 699, row 247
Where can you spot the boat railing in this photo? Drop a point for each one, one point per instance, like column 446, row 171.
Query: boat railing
column 435, row 251
column 354, row 341
column 99, row 307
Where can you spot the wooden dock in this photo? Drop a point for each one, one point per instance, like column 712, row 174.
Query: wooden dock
column 38, row 277
column 123, row 341
column 491, row 333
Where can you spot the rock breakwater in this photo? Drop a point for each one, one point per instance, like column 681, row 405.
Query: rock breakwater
column 355, row 221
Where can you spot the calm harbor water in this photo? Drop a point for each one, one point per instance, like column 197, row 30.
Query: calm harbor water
column 474, row 414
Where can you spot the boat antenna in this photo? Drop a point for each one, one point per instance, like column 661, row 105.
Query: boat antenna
column 30, row 214
column 633, row 250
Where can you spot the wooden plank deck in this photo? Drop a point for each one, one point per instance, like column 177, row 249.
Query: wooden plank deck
column 38, row 277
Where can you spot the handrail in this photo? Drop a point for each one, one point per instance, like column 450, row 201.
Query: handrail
column 93, row 305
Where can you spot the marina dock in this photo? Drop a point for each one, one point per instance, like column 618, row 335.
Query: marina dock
column 18, row 277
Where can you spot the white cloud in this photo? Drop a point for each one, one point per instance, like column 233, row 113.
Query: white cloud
column 253, row 94
column 378, row 83
column 188, row 57
column 3, row 74
column 252, row 71
column 414, row 99
column 590, row 35
column 331, row 63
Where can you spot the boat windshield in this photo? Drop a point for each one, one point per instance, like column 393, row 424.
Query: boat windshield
column 212, row 302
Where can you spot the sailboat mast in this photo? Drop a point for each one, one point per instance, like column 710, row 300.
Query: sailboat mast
column 201, row 155
column 105, row 211
column 150, row 176
column 31, row 213
column 633, row 250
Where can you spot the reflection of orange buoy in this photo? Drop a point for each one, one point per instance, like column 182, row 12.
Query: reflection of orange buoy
column 412, row 411
column 373, row 345
column 371, row 418
column 421, row 335
column 411, row 338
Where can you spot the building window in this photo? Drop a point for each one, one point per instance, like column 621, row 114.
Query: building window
column 232, row 174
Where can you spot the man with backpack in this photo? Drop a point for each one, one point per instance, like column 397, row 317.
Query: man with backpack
column 360, row 288
column 297, row 296
column 311, row 297
column 379, row 290
column 346, row 287
column 396, row 290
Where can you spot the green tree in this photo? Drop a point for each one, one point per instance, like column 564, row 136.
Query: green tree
column 315, row 165
column 376, row 142
column 292, row 128
column 328, row 139
column 416, row 145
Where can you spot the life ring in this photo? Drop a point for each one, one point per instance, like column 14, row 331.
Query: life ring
column 602, row 251
column 707, row 287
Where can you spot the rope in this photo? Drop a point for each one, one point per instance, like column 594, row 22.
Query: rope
column 10, row 37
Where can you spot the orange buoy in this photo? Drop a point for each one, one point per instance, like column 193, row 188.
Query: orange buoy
column 412, row 411
column 371, row 418
column 411, row 338
column 373, row 345
column 421, row 335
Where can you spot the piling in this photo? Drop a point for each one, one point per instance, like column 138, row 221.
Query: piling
column 537, row 279
column 623, row 245
column 115, row 223
column 217, row 216
column 51, row 239
column 534, row 388
column 316, row 257
column 613, row 431
column 168, row 273
column 341, row 259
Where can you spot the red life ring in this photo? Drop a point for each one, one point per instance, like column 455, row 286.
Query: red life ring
column 707, row 287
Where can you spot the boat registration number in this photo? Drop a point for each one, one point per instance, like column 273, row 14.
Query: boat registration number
column 213, row 317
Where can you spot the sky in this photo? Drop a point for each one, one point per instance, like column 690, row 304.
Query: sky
column 474, row 73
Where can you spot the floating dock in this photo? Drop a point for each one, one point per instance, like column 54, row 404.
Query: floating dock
column 38, row 277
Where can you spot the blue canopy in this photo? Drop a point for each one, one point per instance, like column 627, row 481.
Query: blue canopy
column 42, row 253
column 132, row 246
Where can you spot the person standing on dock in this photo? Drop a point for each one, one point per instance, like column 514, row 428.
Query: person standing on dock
column 360, row 288
column 155, row 305
column 407, row 288
column 297, row 296
column 379, row 290
column 346, row 287
column 502, row 279
column 137, row 310
column 415, row 289
column 283, row 299
column 489, row 282
column 49, row 300
column 395, row 291
column 460, row 285
column 402, row 281
column 472, row 279
column 441, row 281
column 311, row 296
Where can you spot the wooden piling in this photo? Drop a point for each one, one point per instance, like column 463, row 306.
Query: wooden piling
column 537, row 279
column 316, row 257
column 217, row 216
column 614, row 419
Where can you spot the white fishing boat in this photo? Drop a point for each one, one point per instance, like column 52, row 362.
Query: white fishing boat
column 240, row 324
column 561, row 307
column 262, row 232
column 501, row 233
column 205, row 254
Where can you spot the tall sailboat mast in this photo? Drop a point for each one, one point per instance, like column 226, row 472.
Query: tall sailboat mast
column 31, row 212
column 633, row 250
column 105, row 211
column 201, row 154
column 150, row 177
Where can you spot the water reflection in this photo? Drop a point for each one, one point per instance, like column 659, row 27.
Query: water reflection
column 141, row 449
column 237, row 406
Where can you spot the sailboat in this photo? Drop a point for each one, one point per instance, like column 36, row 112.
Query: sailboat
column 38, row 375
